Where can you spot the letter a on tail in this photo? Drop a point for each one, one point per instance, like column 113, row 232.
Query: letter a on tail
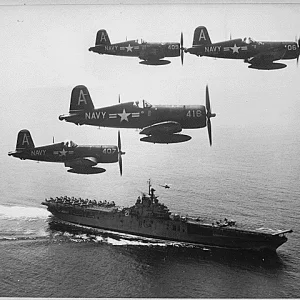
column 24, row 140
column 102, row 38
column 80, row 99
column 201, row 36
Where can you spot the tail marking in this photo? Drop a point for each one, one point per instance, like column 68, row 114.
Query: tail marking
column 24, row 140
column 81, row 98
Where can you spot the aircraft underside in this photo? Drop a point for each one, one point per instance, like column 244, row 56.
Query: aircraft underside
column 159, row 62
column 88, row 170
column 166, row 138
column 270, row 66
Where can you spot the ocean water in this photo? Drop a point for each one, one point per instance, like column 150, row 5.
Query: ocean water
column 42, row 259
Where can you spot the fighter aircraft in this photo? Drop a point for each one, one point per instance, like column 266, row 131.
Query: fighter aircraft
column 166, row 186
column 149, row 53
column 80, row 159
column 260, row 55
column 160, row 123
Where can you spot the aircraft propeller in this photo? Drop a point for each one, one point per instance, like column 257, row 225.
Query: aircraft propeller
column 209, row 115
column 298, row 51
column 120, row 153
column 181, row 48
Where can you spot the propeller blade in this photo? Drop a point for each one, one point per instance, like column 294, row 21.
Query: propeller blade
column 120, row 153
column 119, row 99
column 120, row 164
column 119, row 141
column 181, row 40
column 298, row 51
column 207, row 100
column 209, row 131
column 181, row 48
column 209, row 115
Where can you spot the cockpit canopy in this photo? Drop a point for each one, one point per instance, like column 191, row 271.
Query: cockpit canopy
column 70, row 144
column 146, row 104
column 248, row 40
column 140, row 41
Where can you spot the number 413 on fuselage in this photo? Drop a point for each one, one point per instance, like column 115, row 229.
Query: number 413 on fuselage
column 160, row 123
column 149, row 53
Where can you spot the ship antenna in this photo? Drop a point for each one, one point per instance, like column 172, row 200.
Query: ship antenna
column 149, row 182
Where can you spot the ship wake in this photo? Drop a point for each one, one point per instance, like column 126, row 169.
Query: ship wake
column 22, row 223
column 79, row 233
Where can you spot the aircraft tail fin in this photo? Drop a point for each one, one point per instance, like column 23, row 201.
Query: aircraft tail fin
column 80, row 99
column 102, row 38
column 201, row 36
column 24, row 140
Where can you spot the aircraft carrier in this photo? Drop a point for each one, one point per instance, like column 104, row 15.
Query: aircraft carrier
column 150, row 218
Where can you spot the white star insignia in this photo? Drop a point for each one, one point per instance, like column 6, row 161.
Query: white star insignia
column 129, row 48
column 235, row 49
column 63, row 152
column 124, row 115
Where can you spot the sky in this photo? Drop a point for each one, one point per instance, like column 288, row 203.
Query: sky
column 44, row 54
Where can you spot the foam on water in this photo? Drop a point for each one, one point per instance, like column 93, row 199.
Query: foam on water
column 22, row 212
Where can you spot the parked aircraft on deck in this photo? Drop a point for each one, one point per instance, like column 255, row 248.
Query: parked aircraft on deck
column 149, row 53
column 260, row 55
column 80, row 159
column 160, row 123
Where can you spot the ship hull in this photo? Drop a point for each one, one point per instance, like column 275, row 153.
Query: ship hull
column 181, row 230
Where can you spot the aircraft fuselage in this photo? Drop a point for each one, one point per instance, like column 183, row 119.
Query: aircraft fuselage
column 129, row 115
column 60, row 153
column 145, row 51
column 238, row 49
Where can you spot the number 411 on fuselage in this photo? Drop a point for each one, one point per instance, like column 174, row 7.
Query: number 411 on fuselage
column 160, row 123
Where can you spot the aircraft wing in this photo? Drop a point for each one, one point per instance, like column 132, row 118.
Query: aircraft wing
column 268, row 56
column 152, row 53
column 82, row 162
column 162, row 128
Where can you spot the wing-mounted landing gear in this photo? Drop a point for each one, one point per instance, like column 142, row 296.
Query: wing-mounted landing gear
column 164, row 133
column 272, row 66
column 263, row 65
column 88, row 170
column 166, row 138
column 159, row 62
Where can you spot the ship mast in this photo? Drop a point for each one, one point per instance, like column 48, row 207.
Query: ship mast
column 149, row 183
